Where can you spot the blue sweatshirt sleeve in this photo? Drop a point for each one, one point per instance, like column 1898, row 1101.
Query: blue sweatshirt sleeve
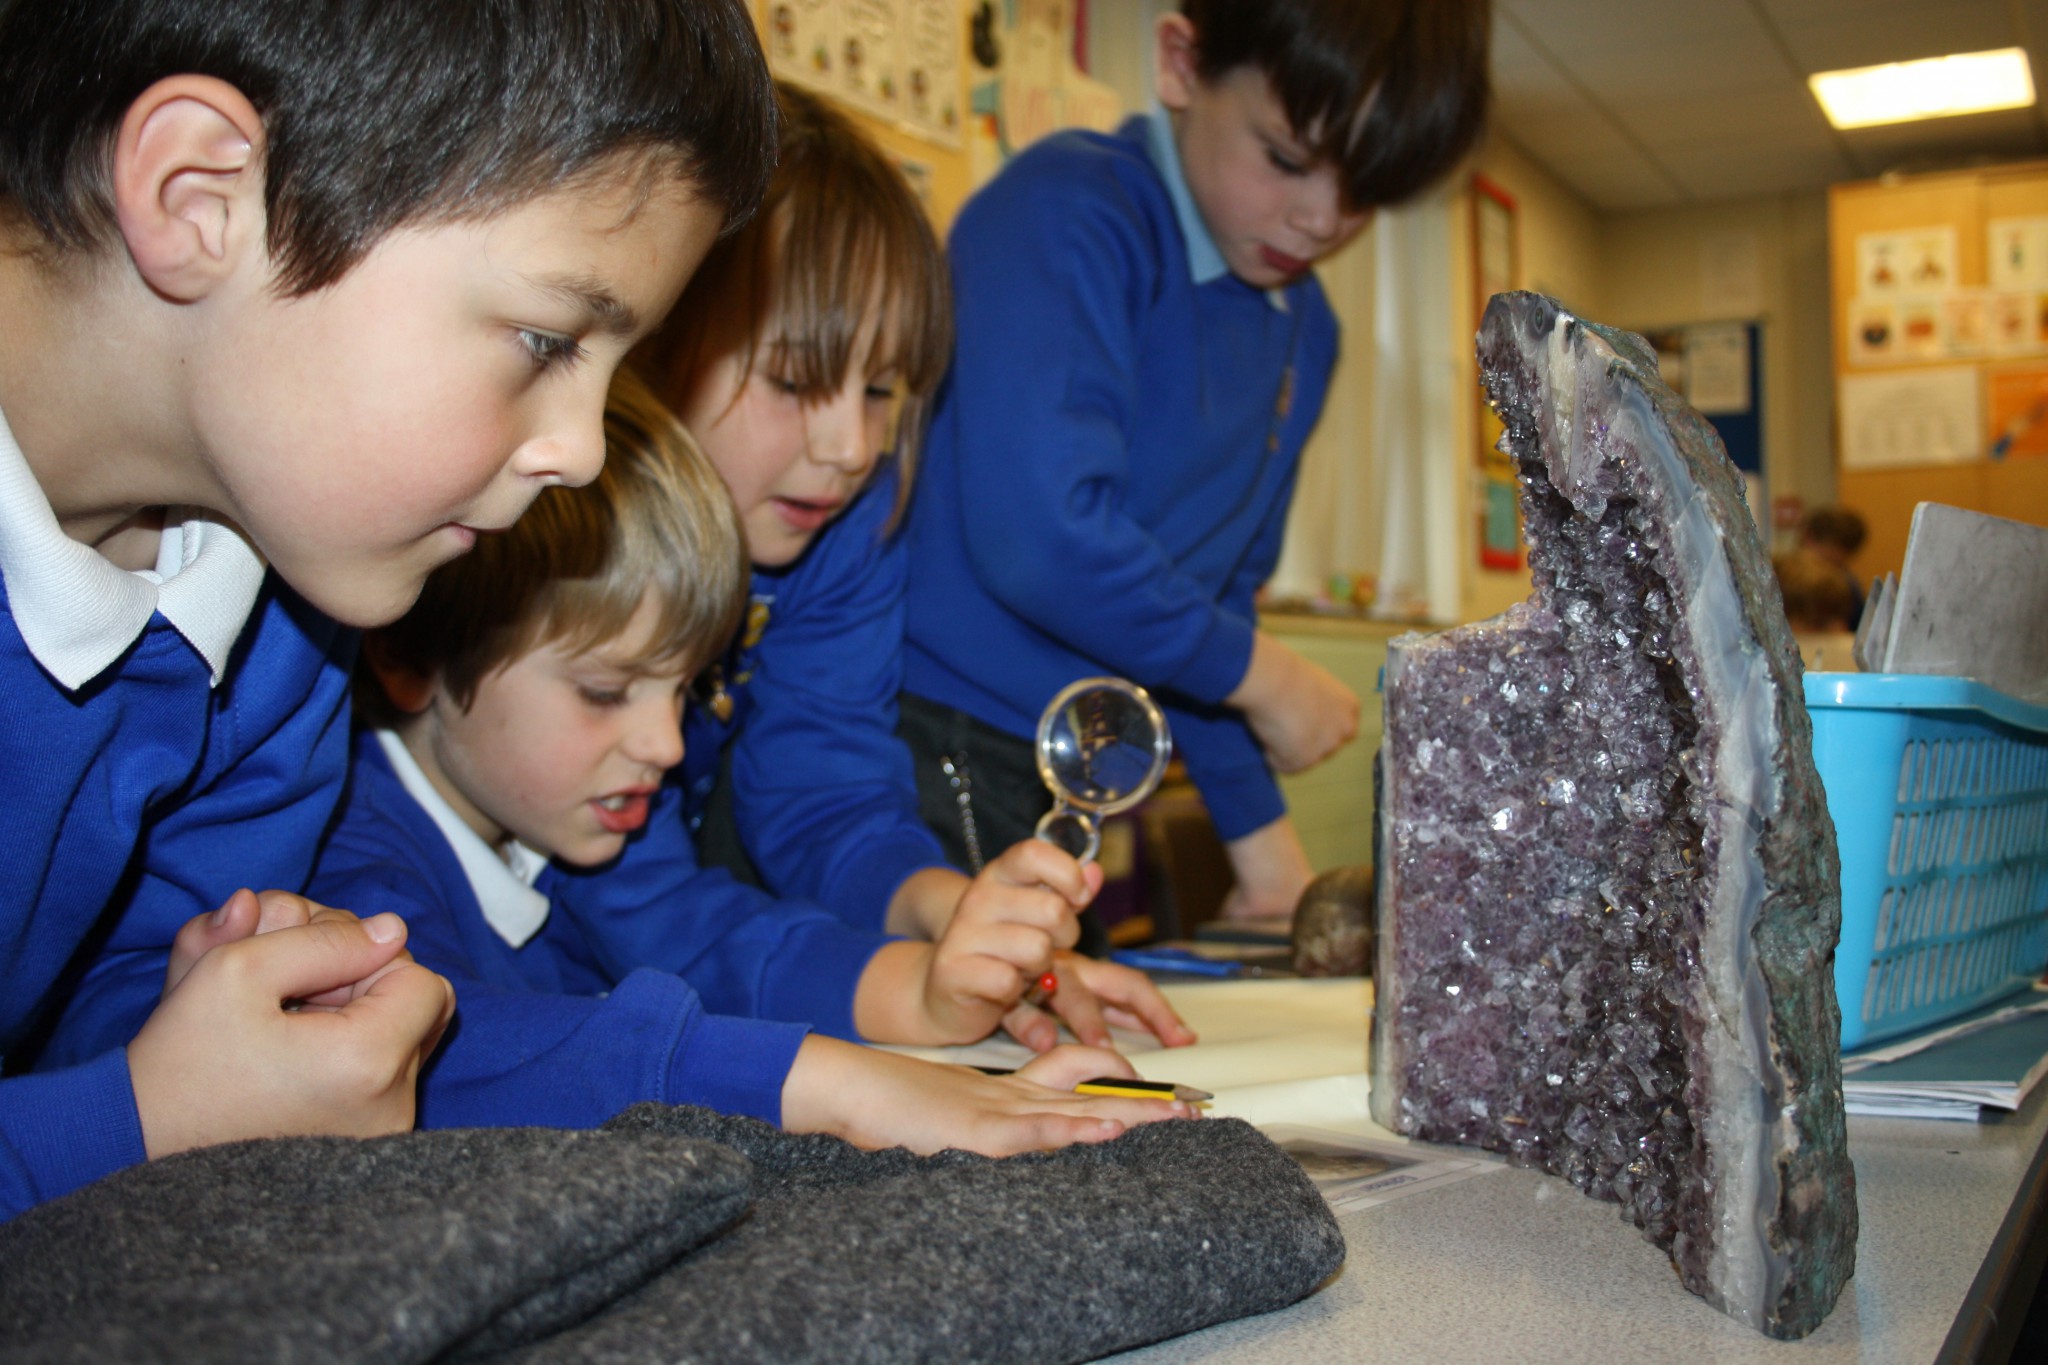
column 63, row 1129
column 822, row 786
column 745, row 952
column 1049, row 287
column 519, row 1057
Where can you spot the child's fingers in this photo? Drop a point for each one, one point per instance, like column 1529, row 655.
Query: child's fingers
column 1068, row 1065
column 412, row 992
column 235, row 920
column 1133, row 995
column 1025, row 948
column 1033, row 906
column 982, row 976
column 1034, row 862
column 1077, row 1005
column 333, row 951
column 1032, row 1027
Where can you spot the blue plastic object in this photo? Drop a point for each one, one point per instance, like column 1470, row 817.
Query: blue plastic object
column 1175, row 960
column 1939, row 792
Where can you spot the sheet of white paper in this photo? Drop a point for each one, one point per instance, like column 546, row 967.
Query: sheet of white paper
column 1910, row 417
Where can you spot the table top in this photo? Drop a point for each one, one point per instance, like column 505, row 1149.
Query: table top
column 1514, row 1257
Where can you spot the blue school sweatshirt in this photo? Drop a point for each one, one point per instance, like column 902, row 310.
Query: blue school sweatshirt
column 1109, row 467
column 823, row 791
column 627, row 991
column 141, row 799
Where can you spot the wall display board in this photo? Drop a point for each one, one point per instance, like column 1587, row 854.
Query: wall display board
column 898, row 60
column 1940, row 322
column 1911, row 417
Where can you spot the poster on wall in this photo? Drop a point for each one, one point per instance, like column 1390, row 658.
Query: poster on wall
column 2016, row 413
column 898, row 60
column 1026, row 80
column 1911, row 417
column 1717, row 368
column 1912, row 261
column 2016, row 253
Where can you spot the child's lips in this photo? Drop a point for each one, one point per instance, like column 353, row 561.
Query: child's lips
column 1282, row 262
column 622, row 812
column 807, row 514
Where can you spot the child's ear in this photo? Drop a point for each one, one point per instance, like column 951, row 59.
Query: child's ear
column 408, row 690
column 1178, row 54
column 188, row 184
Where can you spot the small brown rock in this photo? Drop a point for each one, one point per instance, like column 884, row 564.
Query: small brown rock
column 1333, row 924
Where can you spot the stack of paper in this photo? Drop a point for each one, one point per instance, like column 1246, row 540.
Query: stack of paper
column 1988, row 1059
column 1967, row 604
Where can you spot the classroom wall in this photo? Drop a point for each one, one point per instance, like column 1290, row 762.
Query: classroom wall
column 1687, row 265
column 1558, row 253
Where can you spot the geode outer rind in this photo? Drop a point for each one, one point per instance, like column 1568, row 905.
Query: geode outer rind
column 1608, row 888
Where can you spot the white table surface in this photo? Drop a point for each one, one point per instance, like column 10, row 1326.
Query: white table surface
column 1515, row 1265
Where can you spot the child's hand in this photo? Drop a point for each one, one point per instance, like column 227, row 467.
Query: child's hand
column 1272, row 871
column 248, row 913
column 882, row 1099
column 1093, row 996
column 1301, row 712
column 222, row 1057
column 1012, row 919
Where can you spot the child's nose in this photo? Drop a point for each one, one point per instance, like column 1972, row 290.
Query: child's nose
column 568, row 446
column 838, row 432
column 657, row 737
column 1318, row 210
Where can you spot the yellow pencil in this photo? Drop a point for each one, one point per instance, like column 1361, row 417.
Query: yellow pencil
column 1116, row 1085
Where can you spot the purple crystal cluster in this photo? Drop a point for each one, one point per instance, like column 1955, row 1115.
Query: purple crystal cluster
column 1608, row 888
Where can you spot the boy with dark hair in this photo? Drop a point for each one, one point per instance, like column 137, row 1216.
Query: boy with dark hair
column 300, row 299
column 1142, row 352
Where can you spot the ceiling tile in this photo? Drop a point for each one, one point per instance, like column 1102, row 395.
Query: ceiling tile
column 1747, row 167
column 1775, row 112
column 1888, row 33
column 1637, row 103
column 1570, row 28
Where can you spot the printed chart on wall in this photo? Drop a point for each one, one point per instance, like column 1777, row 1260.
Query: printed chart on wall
column 1910, row 308
column 1910, row 417
column 896, row 59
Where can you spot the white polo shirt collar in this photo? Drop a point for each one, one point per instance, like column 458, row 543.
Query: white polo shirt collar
column 78, row 611
column 502, row 884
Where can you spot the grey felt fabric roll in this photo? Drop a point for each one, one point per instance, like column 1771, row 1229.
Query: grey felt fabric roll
column 421, row 1246
column 538, row 1245
column 882, row 1256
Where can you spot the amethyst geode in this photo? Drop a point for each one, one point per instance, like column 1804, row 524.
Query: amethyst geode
column 1608, row 887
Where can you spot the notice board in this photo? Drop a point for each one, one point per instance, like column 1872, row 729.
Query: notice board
column 1940, row 327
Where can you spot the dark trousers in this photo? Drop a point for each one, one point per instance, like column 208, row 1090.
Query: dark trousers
column 978, row 788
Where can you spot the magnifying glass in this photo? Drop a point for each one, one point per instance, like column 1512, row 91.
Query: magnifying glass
column 1102, row 748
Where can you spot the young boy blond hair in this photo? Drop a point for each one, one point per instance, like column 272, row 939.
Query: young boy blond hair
column 515, row 808
column 301, row 300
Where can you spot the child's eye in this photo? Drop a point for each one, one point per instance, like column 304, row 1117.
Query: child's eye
column 1283, row 163
column 550, row 350
column 881, row 393
column 601, row 697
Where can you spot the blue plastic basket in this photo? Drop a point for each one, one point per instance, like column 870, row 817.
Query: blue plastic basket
column 1939, row 792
